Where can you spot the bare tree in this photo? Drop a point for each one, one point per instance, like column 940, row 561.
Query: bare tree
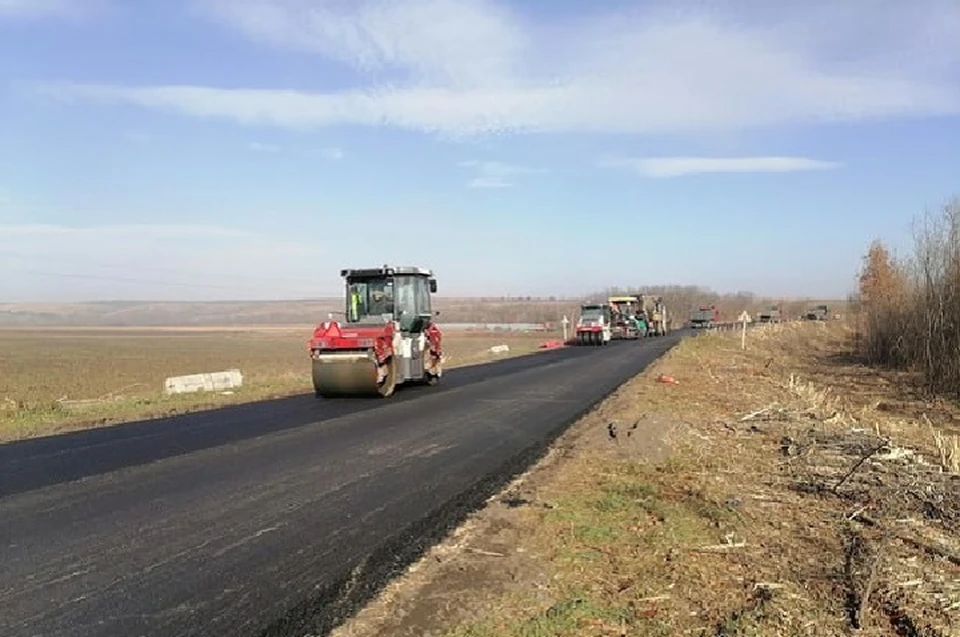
column 909, row 309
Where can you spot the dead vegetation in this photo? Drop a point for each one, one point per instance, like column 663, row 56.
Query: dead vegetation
column 803, row 494
column 909, row 308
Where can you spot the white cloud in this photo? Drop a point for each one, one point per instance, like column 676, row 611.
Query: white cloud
column 468, row 67
column 665, row 167
column 257, row 147
column 498, row 167
column 495, row 174
column 43, row 9
column 152, row 261
column 488, row 182
column 429, row 40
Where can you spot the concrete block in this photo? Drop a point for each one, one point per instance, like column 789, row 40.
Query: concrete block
column 214, row 381
column 500, row 349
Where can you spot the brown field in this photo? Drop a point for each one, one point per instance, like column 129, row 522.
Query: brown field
column 239, row 314
column 784, row 489
column 56, row 379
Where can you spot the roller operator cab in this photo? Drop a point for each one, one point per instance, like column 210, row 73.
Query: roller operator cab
column 388, row 336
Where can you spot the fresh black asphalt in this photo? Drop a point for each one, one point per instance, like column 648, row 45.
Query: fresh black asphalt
column 273, row 518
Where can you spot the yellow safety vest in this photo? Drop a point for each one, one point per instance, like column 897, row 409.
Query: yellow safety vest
column 354, row 305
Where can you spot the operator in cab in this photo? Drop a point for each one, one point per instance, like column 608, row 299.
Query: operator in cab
column 355, row 303
column 381, row 302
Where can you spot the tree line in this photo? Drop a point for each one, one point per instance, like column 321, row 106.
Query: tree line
column 679, row 299
column 908, row 307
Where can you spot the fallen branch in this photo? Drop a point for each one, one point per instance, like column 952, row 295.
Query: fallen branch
column 914, row 541
column 757, row 413
column 721, row 547
column 768, row 585
column 856, row 513
column 859, row 463
column 483, row 552
column 929, row 547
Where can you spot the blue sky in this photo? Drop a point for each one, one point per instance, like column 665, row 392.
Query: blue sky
column 205, row 149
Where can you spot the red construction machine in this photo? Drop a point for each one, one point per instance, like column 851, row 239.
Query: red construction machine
column 389, row 336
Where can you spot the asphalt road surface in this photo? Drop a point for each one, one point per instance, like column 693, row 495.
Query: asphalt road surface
column 273, row 518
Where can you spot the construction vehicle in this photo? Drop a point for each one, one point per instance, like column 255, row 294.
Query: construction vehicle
column 704, row 317
column 389, row 336
column 658, row 318
column 624, row 312
column 818, row 313
column 594, row 327
column 771, row 314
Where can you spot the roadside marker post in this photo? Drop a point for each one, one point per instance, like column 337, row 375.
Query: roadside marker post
column 744, row 318
column 565, row 322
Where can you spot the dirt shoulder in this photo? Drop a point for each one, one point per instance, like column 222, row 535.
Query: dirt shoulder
column 780, row 490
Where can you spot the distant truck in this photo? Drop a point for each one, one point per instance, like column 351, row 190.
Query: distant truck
column 818, row 313
column 771, row 314
column 704, row 317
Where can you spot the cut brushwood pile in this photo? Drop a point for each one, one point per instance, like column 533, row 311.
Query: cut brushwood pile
column 873, row 491
column 893, row 509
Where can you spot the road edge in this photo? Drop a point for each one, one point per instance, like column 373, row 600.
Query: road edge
column 335, row 603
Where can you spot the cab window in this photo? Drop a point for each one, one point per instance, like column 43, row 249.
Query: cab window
column 373, row 298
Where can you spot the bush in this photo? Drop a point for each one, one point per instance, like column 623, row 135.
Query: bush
column 909, row 310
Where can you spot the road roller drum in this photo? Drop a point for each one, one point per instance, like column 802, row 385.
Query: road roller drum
column 351, row 375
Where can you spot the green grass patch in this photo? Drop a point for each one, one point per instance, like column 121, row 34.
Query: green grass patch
column 607, row 537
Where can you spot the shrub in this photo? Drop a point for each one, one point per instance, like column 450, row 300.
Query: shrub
column 909, row 310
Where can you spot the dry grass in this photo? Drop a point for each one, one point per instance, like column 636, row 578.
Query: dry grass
column 802, row 494
column 948, row 449
column 247, row 313
column 765, row 520
column 53, row 380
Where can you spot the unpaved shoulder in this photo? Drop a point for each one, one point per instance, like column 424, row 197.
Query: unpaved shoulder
column 496, row 552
